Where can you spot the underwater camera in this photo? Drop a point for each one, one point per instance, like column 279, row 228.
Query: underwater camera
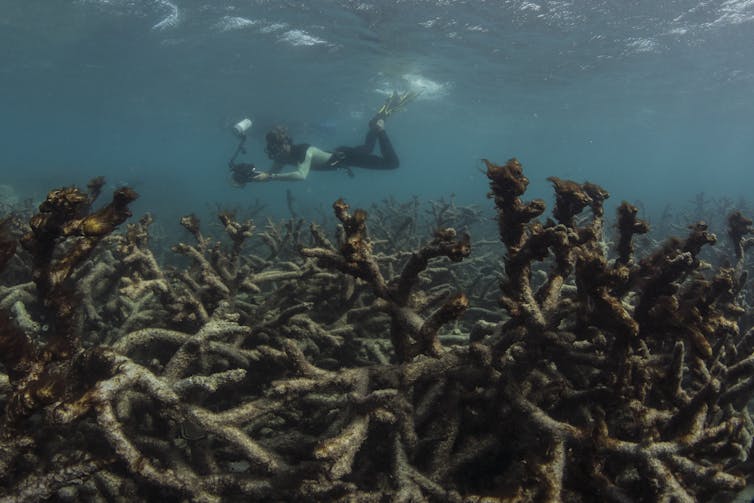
column 242, row 126
column 241, row 172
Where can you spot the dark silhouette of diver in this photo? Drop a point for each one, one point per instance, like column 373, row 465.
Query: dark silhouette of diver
column 283, row 152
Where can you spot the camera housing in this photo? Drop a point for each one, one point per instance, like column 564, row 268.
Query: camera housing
column 242, row 126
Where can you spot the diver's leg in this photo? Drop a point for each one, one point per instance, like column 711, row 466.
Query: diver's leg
column 357, row 157
column 369, row 140
column 389, row 156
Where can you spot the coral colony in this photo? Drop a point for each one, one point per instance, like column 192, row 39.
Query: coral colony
column 384, row 363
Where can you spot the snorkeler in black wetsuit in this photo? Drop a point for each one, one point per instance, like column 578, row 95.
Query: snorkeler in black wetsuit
column 282, row 151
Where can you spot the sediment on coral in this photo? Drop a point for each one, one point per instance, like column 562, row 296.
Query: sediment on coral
column 397, row 359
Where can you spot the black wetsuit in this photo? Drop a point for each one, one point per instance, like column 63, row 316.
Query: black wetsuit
column 362, row 156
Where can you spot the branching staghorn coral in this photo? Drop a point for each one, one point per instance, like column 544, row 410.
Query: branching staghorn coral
column 220, row 274
column 395, row 222
column 63, row 234
column 738, row 228
column 7, row 243
column 283, row 239
column 609, row 377
column 647, row 349
column 409, row 333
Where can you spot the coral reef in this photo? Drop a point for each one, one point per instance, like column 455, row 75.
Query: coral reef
column 397, row 361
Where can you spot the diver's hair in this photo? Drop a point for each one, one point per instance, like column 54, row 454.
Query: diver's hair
column 276, row 138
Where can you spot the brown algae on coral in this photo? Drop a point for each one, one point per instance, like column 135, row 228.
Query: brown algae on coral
column 398, row 360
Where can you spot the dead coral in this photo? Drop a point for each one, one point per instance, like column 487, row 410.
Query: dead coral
column 628, row 225
column 410, row 333
column 630, row 321
column 216, row 273
column 63, row 234
column 7, row 243
column 349, row 374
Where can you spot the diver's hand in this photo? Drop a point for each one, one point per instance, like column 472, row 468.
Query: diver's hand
column 336, row 158
column 261, row 177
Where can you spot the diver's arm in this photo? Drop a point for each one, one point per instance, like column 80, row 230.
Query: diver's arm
column 277, row 167
column 314, row 156
column 302, row 170
column 298, row 175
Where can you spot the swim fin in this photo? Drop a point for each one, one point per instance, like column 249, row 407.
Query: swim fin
column 395, row 103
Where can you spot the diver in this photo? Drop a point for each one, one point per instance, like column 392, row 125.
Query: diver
column 283, row 152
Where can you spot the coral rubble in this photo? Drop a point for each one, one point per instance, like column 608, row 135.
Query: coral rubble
column 376, row 366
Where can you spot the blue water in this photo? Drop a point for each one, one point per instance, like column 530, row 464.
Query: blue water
column 653, row 99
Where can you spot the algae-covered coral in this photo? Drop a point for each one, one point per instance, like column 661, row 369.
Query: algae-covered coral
column 382, row 364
